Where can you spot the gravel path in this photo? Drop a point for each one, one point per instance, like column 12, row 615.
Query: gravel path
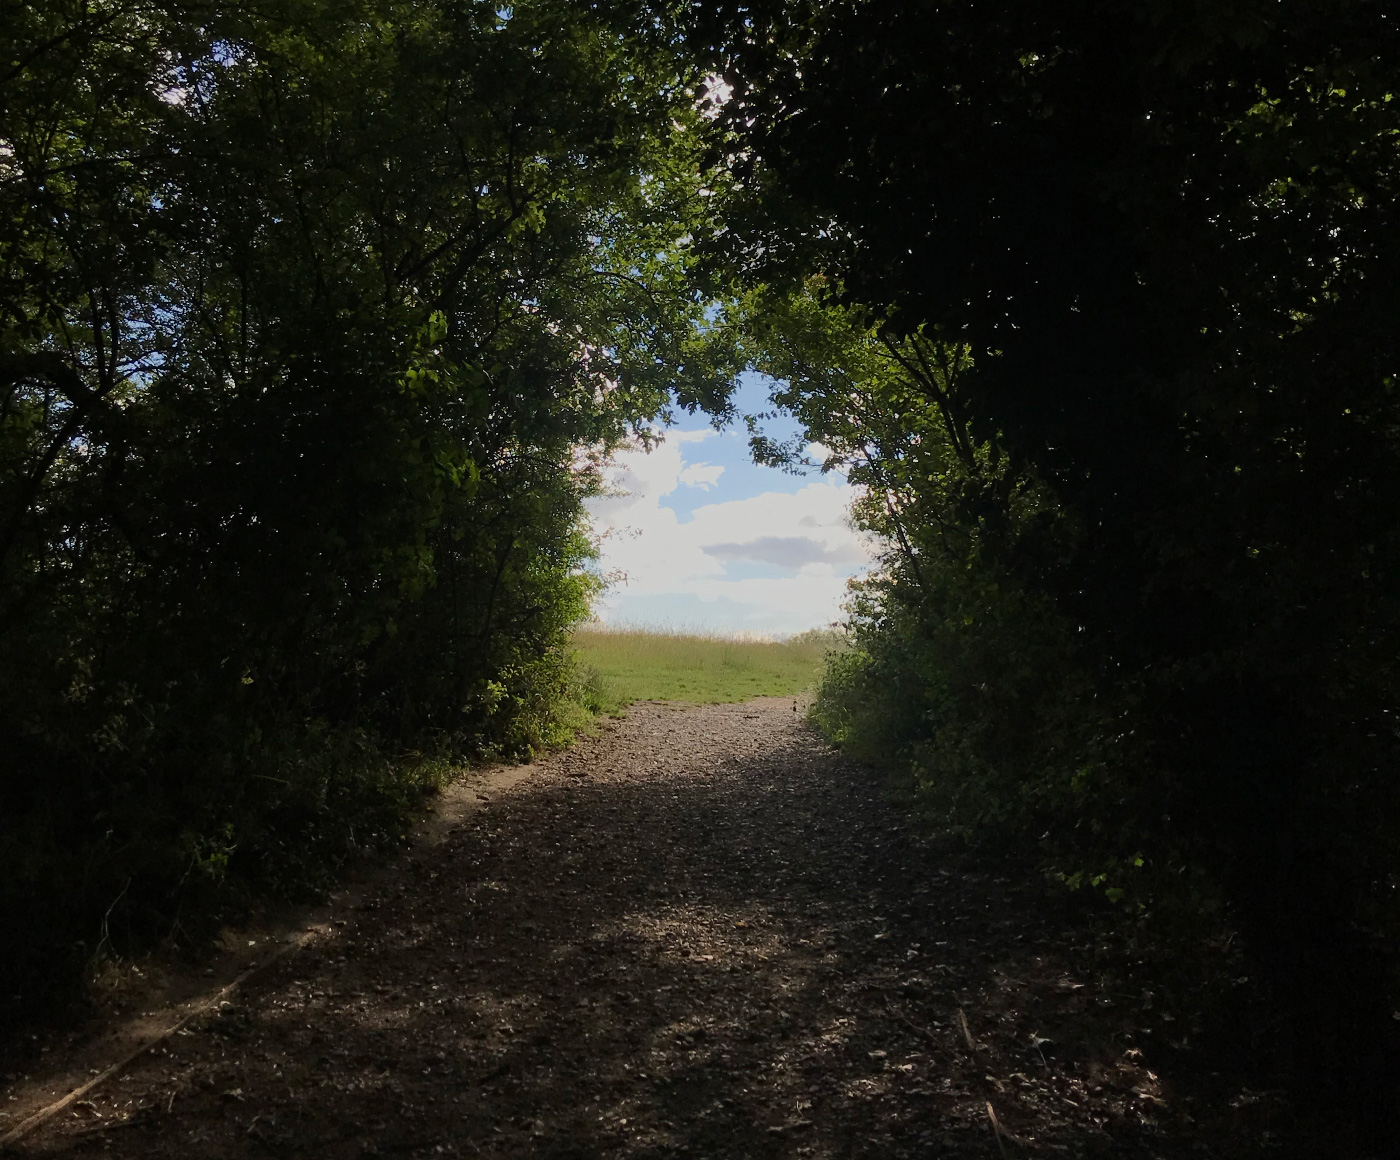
column 701, row 933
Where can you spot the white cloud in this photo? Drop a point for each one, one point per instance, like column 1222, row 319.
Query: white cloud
column 802, row 536
column 701, row 475
column 790, row 553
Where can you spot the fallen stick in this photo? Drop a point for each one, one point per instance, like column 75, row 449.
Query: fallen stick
column 43, row 1115
column 966, row 1030
column 996, row 1128
column 903, row 1018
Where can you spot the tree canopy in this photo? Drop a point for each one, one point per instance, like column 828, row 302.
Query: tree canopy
column 315, row 323
column 318, row 319
column 1141, row 593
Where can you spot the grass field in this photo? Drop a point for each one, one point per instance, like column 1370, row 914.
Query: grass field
column 640, row 665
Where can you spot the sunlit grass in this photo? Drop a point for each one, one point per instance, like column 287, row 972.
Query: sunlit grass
column 644, row 665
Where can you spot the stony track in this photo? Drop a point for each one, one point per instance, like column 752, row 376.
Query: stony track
column 702, row 933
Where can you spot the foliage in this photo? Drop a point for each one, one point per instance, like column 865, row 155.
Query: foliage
column 314, row 323
column 636, row 664
column 1163, row 238
column 958, row 673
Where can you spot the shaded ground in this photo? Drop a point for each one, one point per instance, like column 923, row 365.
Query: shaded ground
column 700, row 934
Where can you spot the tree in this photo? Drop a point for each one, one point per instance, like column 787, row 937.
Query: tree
column 307, row 316
column 1167, row 238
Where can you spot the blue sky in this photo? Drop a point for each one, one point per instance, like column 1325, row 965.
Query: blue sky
column 697, row 536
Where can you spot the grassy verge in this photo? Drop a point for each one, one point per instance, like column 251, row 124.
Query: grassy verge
column 625, row 665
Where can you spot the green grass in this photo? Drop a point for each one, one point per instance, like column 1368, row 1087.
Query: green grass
column 626, row 665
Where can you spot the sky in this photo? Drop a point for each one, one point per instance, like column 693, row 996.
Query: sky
column 701, row 538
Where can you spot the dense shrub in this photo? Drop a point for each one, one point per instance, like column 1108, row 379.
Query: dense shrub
column 314, row 323
column 1231, row 775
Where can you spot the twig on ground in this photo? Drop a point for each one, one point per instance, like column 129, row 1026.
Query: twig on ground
column 966, row 1030
column 22, row 1129
column 996, row 1128
column 903, row 1018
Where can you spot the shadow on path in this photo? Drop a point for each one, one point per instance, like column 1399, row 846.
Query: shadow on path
column 702, row 934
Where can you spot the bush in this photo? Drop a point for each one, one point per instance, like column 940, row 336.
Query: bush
column 314, row 327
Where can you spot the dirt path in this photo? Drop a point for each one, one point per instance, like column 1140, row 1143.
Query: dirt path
column 700, row 934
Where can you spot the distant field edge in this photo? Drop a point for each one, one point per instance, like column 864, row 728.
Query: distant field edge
column 623, row 665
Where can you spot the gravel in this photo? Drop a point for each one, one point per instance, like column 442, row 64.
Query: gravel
column 701, row 933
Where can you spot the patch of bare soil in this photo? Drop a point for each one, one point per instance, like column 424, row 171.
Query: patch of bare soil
column 702, row 933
